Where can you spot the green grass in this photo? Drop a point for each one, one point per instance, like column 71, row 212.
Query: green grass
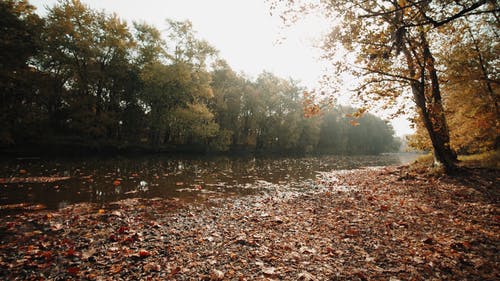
column 425, row 163
column 490, row 159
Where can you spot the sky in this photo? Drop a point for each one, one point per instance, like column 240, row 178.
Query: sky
column 247, row 36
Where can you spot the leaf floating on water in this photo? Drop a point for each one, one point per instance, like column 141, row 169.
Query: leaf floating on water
column 23, row 206
column 33, row 179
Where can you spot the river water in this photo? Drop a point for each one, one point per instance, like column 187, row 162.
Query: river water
column 30, row 184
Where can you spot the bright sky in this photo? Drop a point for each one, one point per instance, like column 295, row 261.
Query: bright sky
column 248, row 37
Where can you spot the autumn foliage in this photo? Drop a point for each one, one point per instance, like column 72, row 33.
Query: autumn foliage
column 432, row 58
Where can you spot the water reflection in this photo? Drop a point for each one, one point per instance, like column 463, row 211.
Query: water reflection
column 106, row 180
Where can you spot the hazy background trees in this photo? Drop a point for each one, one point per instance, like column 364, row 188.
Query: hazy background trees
column 79, row 77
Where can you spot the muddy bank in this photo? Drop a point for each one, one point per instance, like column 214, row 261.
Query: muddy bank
column 377, row 224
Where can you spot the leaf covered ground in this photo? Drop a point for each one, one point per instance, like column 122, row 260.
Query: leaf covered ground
column 375, row 224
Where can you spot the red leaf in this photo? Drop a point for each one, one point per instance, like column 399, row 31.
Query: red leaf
column 116, row 182
column 47, row 255
column 384, row 208
column 122, row 229
column 144, row 254
column 113, row 238
column 70, row 252
column 73, row 270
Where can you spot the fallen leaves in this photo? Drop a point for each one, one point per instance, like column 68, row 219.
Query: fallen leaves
column 33, row 179
column 144, row 254
column 348, row 226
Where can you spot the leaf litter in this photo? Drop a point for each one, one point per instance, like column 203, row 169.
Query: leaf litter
column 373, row 224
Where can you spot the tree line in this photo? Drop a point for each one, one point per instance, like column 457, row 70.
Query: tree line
column 82, row 78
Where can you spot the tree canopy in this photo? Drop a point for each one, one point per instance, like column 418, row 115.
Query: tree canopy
column 91, row 80
column 395, row 49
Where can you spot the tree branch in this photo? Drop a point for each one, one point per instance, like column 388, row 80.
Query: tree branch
column 461, row 13
column 401, row 77
column 429, row 20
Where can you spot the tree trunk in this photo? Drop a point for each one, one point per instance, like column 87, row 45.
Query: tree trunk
column 430, row 108
column 435, row 115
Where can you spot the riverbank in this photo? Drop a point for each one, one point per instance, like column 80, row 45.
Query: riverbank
column 374, row 224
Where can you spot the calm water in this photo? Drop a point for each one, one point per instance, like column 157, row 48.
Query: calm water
column 189, row 178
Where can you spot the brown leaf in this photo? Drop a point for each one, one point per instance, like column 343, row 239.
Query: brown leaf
column 216, row 275
column 151, row 267
column 269, row 271
column 174, row 271
column 116, row 268
column 352, row 232
column 306, row 276
column 73, row 270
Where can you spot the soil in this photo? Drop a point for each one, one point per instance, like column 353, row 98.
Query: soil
column 375, row 224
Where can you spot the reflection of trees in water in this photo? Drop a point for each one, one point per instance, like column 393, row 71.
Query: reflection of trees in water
column 92, row 180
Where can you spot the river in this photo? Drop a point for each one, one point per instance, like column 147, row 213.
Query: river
column 32, row 184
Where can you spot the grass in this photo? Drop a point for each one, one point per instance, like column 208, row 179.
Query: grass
column 425, row 164
column 489, row 159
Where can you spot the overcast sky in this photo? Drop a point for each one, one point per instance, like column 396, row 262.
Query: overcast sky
column 244, row 31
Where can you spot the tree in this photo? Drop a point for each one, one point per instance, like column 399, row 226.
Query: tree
column 176, row 84
column 86, row 53
column 19, row 43
column 227, row 87
column 341, row 133
column 469, row 69
column 392, row 41
column 471, row 93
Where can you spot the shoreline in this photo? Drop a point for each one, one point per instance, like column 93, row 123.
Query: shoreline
column 372, row 224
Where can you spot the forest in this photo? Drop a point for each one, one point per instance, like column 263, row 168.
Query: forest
column 224, row 206
column 84, row 79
